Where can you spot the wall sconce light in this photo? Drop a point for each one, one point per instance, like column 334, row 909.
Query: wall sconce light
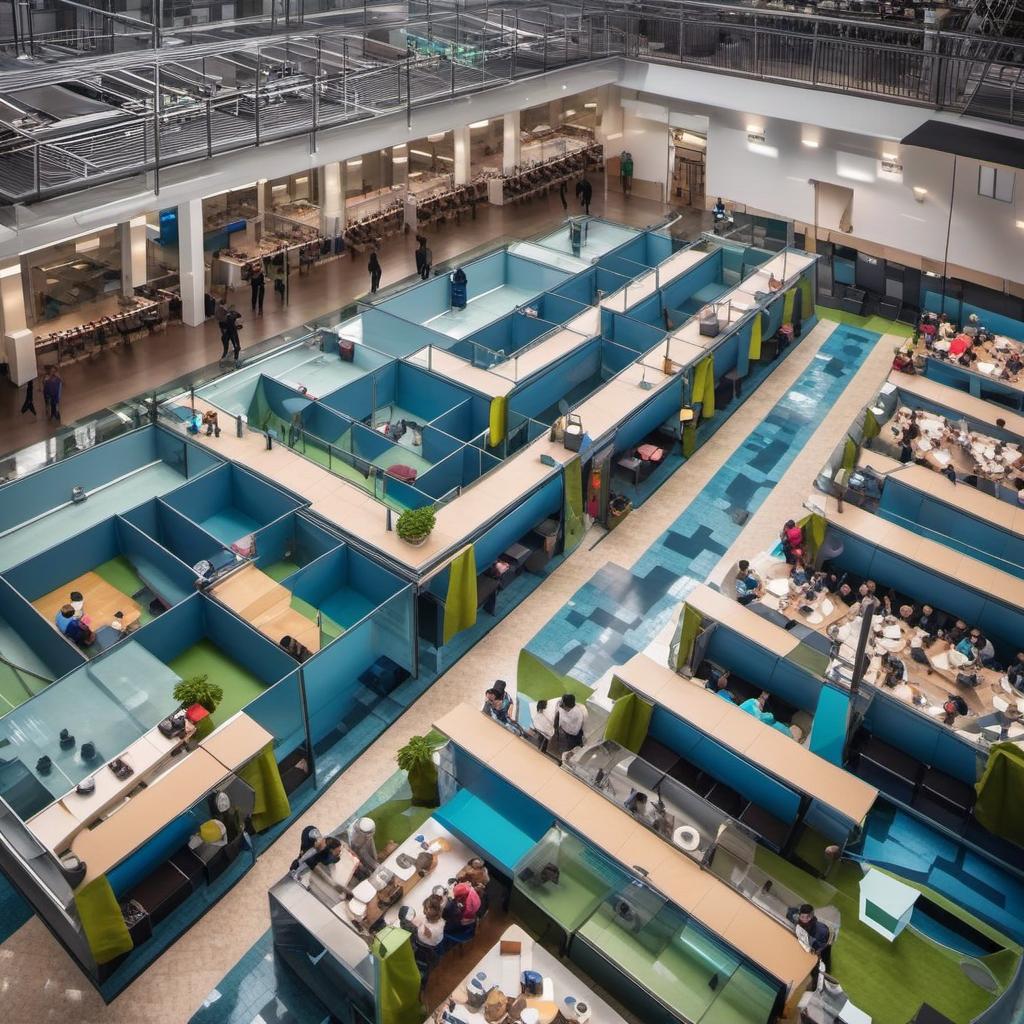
column 755, row 134
column 920, row 193
column 810, row 143
column 1020, row 224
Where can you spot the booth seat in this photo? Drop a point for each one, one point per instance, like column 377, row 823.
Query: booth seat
column 500, row 840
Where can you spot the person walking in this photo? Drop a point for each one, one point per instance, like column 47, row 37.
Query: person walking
column 585, row 192
column 375, row 269
column 626, row 171
column 428, row 261
column 561, row 194
column 258, row 284
column 29, row 405
column 53, row 386
column 233, row 323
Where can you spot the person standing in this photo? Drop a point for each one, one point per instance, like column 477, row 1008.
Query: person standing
column 626, row 172
column 29, row 405
column 561, row 194
column 428, row 261
column 53, row 387
column 233, row 324
column 220, row 312
column 421, row 254
column 572, row 719
column 258, row 284
column 585, row 192
column 375, row 269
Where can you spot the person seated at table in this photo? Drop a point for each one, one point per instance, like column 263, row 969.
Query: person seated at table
column 953, row 705
column 749, row 586
column 967, row 358
column 959, row 345
column 719, row 685
column 1013, row 365
column 946, row 329
column 77, row 601
column 984, row 652
column 929, row 621
column 298, row 650
column 75, row 628
column 460, row 912
column 894, row 671
column 718, row 210
column 950, row 473
column 963, row 653
column 429, row 926
column 792, row 537
column 973, row 327
column 1019, row 484
column 799, row 575
column 638, row 805
column 906, row 451
column 755, row 706
column 909, row 615
column 903, row 362
column 475, row 872
column 1015, row 673
column 826, row 581
column 955, row 633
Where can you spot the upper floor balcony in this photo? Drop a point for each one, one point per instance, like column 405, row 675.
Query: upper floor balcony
column 73, row 115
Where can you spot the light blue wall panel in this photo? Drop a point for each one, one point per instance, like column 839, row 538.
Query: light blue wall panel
column 50, row 487
column 174, row 631
column 558, row 380
column 795, row 685
column 55, row 567
column 170, row 579
column 237, row 639
column 742, row 656
column 665, row 405
column 203, row 497
column 59, row 656
column 279, row 710
column 528, row 275
column 544, row 502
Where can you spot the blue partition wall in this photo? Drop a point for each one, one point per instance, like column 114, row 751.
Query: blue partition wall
column 750, row 661
column 959, row 312
column 980, row 386
column 663, row 406
column 230, row 502
column 544, row 392
column 919, row 511
column 722, row 764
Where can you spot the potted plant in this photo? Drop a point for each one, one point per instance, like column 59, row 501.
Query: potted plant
column 414, row 524
column 198, row 690
column 416, row 759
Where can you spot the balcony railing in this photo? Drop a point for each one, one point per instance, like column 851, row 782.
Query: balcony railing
column 318, row 79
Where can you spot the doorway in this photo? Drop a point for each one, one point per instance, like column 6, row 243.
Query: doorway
column 688, row 167
column 833, row 207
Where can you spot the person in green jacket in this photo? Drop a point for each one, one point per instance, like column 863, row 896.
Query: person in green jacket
column 626, row 172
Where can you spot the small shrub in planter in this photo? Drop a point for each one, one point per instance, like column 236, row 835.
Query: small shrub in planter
column 414, row 524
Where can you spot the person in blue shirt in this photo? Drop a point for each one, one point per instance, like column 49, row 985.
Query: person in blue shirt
column 755, row 706
column 811, row 933
column 73, row 627
column 748, row 584
column 498, row 704
column 799, row 574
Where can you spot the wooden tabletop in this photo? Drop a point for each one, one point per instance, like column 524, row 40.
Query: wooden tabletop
column 102, row 601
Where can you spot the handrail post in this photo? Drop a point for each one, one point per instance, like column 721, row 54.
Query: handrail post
column 156, row 128
column 209, row 126
column 814, row 56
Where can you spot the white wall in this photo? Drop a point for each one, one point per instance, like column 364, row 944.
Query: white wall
column 776, row 178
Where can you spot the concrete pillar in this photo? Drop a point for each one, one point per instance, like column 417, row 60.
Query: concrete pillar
column 332, row 199
column 133, row 255
column 191, row 266
column 463, row 155
column 510, row 151
column 555, row 113
column 400, row 164
column 263, row 197
column 12, row 298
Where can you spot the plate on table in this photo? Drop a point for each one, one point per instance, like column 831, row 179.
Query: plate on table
column 892, row 632
column 780, row 588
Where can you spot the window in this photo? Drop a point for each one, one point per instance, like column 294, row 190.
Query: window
column 995, row 183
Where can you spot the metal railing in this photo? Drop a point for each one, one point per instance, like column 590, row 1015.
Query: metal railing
column 318, row 79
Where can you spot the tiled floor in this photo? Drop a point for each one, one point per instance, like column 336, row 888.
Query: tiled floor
column 620, row 611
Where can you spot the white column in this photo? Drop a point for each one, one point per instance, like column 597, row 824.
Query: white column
column 262, row 192
column 332, row 199
column 191, row 266
column 400, row 164
column 463, row 155
column 12, row 298
column 510, row 151
column 133, row 255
